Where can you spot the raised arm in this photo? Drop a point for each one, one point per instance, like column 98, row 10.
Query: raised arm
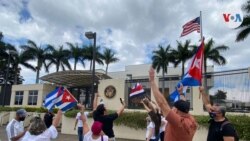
column 145, row 106
column 160, row 99
column 57, row 119
column 205, row 99
column 180, row 91
column 95, row 101
column 120, row 111
column 83, row 118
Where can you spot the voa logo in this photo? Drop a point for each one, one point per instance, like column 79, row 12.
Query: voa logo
column 233, row 19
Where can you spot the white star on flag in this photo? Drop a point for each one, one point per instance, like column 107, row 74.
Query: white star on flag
column 68, row 97
column 197, row 63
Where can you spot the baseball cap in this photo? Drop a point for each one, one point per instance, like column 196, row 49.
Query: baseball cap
column 96, row 128
column 182, row 106
column 21, row 112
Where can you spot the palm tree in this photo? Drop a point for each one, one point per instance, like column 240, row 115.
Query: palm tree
column 60, row 58
column 88, row 54
column 41, row 54
column 161, row 59
column 76, row 54
column 245, row 26
column 182, row 54
column 20, row 58
column 109, row 57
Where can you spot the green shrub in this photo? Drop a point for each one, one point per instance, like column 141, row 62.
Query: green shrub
column 28, row 109
column 71, row 113
column 136, row 120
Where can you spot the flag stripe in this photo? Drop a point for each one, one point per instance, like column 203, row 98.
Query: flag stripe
column 193, row 25
column 136, row 93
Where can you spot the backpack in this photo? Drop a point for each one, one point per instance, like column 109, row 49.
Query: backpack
column 236, row 136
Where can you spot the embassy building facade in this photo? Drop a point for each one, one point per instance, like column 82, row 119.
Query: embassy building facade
column 111, row 87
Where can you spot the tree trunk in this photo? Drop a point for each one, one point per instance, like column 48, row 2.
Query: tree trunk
column 163, row 81
column 205, row 75
column 182, row 67
column 57, row 67
column 75, row 65
column 90, row 68
column 107, row 69
column 15, row 77
column 37, row 75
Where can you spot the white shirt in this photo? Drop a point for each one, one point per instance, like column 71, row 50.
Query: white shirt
column 88, row 137
column 78, row 117
column 151, row 125
column 163, row 124
column 50, row 133
column 14, row 128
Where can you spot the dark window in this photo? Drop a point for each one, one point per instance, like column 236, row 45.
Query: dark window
column 134, row 102
column 19, row 98
column 33, row 97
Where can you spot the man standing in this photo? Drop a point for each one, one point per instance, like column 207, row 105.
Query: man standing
column 79, row 122
column 15, row 130
column 181, row 125
column 220, row 129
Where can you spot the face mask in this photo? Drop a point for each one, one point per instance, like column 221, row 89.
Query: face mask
column 212, row 114
column 22, row 118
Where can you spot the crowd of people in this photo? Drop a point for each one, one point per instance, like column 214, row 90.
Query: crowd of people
column 163, row 122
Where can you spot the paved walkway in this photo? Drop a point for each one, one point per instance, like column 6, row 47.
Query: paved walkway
column 61, row 137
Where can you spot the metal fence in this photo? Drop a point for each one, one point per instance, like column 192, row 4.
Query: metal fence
column 233, row 84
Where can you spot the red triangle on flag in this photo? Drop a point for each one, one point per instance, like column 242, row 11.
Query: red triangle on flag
column 68, row 97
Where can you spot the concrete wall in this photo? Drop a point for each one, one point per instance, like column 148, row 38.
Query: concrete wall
column 43, row 89
column 119, row 84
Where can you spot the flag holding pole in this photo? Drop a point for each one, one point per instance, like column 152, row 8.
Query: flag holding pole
column 193, row 76
column 60, row 98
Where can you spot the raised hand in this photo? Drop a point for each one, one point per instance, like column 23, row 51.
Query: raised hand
column 151, row 74
column 180, row 89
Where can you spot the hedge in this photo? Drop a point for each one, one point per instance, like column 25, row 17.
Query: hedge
column 28, row 109
column 137, row 120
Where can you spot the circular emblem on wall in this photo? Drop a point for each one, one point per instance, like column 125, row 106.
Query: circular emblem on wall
column 110, row 91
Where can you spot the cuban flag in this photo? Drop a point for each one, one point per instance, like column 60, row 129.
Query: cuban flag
column 52, row 98
column 61, row 98
column 193, row 76
column 136, row 90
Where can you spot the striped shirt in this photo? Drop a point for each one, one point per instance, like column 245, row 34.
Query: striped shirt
column 14, row 128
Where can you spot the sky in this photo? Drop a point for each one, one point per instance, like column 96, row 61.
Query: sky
column 132, row 28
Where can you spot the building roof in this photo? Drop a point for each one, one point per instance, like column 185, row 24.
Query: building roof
column 74, row 78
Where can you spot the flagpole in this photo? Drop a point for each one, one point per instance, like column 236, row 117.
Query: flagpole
column 201, row 25
column 201, row 33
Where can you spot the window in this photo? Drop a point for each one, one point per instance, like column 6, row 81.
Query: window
column 19, row 98
column 33, row 97
column 134, row 102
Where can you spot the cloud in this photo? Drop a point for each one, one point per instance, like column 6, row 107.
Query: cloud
column 133, row 28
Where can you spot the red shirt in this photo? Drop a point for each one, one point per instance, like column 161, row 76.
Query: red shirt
column 180, row 128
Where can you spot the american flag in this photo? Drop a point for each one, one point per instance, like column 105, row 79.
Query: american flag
column 193, row 25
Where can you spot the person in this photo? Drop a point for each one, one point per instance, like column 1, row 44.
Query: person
column 163, row 127
column 48, row 118
column 153, row 127
column 220, row 129
column 15, row 129
column 181, row 125
column 100, row 114
column 79, row 123
column 39, row 132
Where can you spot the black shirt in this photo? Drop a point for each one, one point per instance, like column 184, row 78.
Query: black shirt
column 216, row 133
column 107, row 121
